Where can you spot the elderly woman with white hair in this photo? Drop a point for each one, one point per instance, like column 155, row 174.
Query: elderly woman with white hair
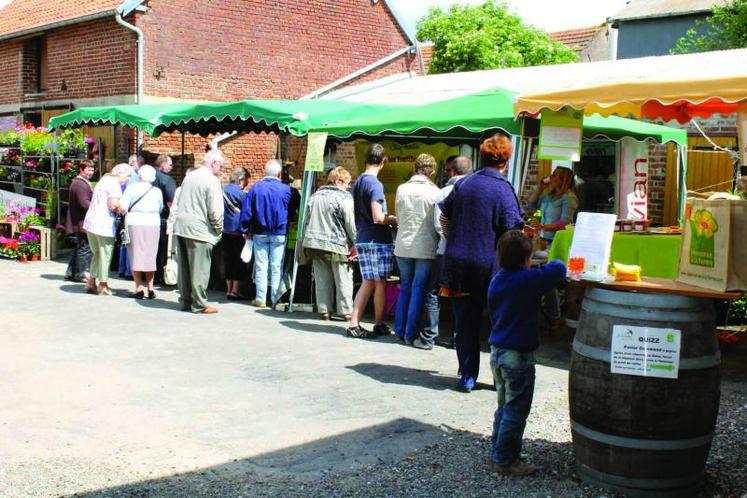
column 100, row 226
column 142, row 203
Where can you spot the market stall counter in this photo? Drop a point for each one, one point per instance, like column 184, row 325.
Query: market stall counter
column 657, row 255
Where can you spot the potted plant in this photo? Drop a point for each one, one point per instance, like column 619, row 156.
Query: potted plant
column 10, row 137
column 8, row 248
column 72, row 142
column 34, row 140
column 68, row 172
column 29, row 245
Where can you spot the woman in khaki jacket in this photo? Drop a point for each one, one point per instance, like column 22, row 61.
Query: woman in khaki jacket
column 329, row 241
column 415, row 249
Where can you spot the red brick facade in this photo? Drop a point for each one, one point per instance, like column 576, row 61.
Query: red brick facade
column 229, row 50
column 262, row 49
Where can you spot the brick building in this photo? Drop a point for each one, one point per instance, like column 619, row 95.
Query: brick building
column 55, row 56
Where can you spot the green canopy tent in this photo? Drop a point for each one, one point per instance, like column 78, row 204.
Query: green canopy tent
column 466, row 118
column 472, row 117
column 294, row 117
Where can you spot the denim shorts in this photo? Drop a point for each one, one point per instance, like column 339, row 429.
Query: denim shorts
column 376, row 260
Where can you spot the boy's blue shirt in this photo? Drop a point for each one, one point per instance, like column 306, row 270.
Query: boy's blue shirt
column 513, row 301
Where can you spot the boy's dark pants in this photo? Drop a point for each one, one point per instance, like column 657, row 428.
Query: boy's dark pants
column 513, row 372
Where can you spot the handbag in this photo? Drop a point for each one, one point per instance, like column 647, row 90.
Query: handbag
column 123, row 234
column 170, row 274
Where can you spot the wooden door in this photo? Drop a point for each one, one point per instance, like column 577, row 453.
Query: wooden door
column 707, row 170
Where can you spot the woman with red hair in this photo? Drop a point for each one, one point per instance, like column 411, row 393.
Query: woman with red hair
column 481, row 208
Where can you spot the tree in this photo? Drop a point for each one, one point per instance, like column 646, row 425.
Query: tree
column 488, row 36
column 726, row 28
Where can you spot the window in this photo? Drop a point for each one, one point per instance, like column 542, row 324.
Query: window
column 35, row 65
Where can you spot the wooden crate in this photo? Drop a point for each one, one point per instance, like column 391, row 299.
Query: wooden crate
column 8, row 229
column 45, row 241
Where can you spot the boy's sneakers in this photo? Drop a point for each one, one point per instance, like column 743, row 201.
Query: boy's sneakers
column 518, row 468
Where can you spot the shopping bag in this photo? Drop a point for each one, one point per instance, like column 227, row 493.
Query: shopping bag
column 123, row 231
column 170, row 274
column 713, row 253
column 246, row 252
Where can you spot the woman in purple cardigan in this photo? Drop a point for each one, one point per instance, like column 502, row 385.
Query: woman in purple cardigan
column 481, row 208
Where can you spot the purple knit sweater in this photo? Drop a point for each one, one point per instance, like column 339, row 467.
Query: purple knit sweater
column 481, row 208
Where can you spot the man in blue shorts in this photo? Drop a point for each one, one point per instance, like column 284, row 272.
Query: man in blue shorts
column 373, row 243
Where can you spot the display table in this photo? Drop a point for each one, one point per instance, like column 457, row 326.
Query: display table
column 657, row 255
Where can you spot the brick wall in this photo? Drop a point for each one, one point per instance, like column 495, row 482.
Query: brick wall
column 657, row 173
column 10, row 72
column 263, row 49
column 95, row 59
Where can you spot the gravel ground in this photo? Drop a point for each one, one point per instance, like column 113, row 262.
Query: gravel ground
column 454, row 466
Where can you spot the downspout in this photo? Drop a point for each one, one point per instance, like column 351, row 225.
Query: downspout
column 140, row 51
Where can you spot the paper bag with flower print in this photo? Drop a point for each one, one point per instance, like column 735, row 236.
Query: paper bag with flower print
column 714, row 248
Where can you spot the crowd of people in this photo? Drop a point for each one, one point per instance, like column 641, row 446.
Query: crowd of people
column 464, row 242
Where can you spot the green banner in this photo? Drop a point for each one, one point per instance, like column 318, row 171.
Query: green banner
column 315, row 151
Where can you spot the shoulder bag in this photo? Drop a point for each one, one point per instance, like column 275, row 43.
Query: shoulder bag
column 123, row 234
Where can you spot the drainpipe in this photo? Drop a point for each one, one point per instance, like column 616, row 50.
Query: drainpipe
column 140, row 47
column 613, row 30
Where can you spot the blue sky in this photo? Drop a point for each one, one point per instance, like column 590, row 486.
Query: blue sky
column 550, row 15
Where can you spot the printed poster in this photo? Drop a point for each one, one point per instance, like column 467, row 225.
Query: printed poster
column 400, row 159
column 645, row 351
column 315, row 151
column 561, row 135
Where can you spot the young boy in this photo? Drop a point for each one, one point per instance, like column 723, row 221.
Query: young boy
column 513, row 301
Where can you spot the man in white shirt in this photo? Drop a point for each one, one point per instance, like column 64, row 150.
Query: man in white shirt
column 198, row 227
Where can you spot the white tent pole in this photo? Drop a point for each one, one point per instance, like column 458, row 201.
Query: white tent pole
column 682, row 180
column 308, row 182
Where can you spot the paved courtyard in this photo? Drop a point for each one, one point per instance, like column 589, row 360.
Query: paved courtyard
column 110, row 396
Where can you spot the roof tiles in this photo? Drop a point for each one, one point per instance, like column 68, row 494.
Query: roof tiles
column 20, row 16
column 578, row 39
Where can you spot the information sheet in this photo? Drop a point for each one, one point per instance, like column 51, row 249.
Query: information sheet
column 560, row 135
column 592, row 240
column 315, row 151
column 645, row 351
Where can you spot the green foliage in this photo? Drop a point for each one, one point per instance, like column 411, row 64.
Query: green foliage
column 468, row 38
column 72, row 139
column 10, row 137
column 737, row 313
column 726, row 28
column 35, row 141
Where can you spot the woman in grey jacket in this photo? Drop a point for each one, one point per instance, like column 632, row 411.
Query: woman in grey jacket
column 329, row 241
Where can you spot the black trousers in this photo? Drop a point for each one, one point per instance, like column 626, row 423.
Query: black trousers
column 161, row 255
column 80, row 259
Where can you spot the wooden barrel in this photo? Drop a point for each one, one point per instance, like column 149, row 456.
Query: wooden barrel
column 644, row 436
column 573, row 296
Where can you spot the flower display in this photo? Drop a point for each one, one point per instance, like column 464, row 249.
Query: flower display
column 8, row 248
column 704, row 223
column 29, row 244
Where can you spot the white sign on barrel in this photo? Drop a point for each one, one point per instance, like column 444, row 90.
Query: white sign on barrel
column 645, row 351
